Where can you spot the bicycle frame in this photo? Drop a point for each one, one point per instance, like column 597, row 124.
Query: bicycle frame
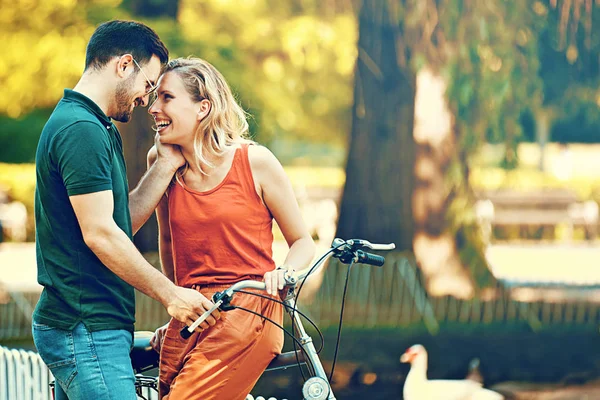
column 321, row 384
column 317, row 387
column 309, row 350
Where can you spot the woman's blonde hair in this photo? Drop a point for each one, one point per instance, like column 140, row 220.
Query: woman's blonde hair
column 225, row 125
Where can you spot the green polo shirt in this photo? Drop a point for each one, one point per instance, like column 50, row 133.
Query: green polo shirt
column 80, row 151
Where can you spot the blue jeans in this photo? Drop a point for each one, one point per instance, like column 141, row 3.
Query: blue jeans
column 87, row 365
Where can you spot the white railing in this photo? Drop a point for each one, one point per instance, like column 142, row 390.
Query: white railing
column 23, row 375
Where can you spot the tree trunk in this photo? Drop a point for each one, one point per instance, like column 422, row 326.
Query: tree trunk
column 435, row 247
column 383, row 200
column 138, row 137
column 377, row 197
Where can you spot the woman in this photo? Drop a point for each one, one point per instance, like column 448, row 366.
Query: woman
column 215, row 229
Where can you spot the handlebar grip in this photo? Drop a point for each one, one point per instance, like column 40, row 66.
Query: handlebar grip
column 371, row 259
column 185, row 333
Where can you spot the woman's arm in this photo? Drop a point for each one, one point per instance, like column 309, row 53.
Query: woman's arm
column 164, row 233
column 275, row 189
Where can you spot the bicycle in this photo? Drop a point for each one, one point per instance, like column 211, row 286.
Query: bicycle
column 317, row 385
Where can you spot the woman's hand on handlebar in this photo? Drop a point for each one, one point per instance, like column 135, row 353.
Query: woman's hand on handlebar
column 274, row 280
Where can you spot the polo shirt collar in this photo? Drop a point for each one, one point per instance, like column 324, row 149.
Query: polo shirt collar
column 87, row 103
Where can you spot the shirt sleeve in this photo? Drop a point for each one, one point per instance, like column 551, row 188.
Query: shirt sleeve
column 82, row 154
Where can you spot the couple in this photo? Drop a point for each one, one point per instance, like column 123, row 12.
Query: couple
column 215, row 195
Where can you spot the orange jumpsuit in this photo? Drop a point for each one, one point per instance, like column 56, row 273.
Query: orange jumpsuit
column 220, row 237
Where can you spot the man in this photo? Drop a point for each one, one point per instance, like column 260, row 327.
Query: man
column 85, row 220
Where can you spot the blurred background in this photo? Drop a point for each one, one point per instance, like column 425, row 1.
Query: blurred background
column 466, row 132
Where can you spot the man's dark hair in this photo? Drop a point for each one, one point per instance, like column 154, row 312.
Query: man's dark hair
column 115, row 38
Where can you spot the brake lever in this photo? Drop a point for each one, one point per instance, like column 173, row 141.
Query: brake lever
column 356, row 243
column 290, row 278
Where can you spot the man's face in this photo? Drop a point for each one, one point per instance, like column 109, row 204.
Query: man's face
column 133, row 91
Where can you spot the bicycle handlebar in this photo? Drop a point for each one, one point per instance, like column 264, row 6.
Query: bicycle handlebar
column 368, row 258
column 292, row 279
column 186, row 331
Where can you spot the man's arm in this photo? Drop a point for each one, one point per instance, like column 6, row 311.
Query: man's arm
column 146, row 195
column 113, row 247
column 166, row 159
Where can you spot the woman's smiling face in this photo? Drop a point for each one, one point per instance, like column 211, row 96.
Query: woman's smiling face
column 176, row 114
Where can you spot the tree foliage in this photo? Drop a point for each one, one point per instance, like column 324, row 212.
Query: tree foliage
column 569, row 52
column 43, row 50
column 291, row 63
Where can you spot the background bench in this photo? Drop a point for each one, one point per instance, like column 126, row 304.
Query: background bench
column 544, row 208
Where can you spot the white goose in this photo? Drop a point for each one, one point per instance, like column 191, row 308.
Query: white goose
column 418, row 387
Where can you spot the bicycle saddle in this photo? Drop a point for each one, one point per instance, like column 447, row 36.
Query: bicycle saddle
column 143, row 356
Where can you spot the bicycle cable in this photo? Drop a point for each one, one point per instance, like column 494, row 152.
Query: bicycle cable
column 282, row 328
column 337, row 344
column 317, row 264
column 310, row 321
column 295, row 308
column 322, row 339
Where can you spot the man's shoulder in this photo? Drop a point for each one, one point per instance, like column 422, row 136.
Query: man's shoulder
column 68, row 129
column 70, row 115
column 70, row 122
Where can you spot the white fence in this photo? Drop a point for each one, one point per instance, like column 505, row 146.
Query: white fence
column 23, row 375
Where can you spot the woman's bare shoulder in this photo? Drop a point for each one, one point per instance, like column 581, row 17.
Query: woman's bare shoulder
column 261, row 157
